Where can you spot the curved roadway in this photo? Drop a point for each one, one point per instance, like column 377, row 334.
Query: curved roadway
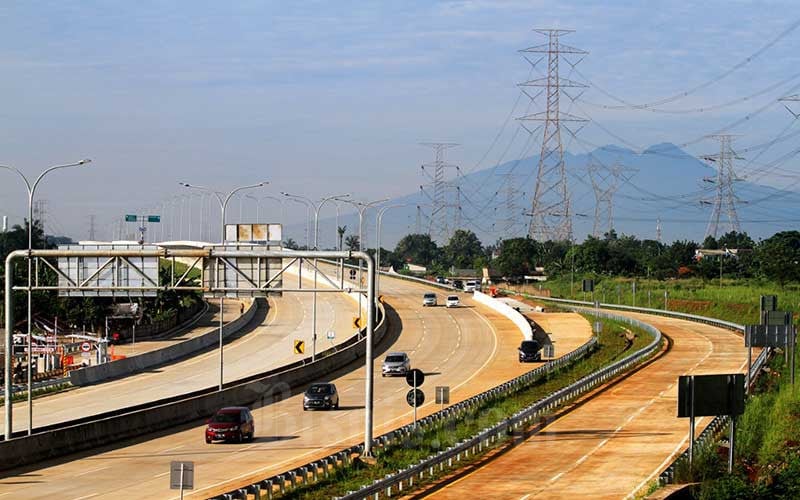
column 258, row 347
column 613, row 444
column 469, row 349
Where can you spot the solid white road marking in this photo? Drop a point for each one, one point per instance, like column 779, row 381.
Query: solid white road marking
column 93, row 470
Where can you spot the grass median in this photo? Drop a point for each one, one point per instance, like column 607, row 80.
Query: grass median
column 614, row 343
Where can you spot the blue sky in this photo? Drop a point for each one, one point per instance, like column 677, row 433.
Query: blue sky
column 328, row 97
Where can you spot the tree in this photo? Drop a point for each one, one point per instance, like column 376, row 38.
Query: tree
column 463, row 249
column 779, row 257
column 352, row 243
column 290, row 244
column 417, row 249
column 340, row 231
column 516, row 257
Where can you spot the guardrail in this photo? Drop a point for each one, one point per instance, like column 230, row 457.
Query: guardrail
column 713, row 429
column 314, row 471
column 322, row 468
column 396, row 481
column 716, row 426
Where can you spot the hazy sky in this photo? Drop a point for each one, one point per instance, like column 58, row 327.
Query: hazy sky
column 328, row 97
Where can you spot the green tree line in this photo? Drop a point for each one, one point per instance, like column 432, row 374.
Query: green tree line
column 776, row 258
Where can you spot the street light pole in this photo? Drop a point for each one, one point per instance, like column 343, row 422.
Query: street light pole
column 378, row 244
column 31, row 193
column 317, row 207
column 361, row 208
column 223, row 205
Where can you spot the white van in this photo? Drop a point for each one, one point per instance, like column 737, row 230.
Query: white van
column 471, row 286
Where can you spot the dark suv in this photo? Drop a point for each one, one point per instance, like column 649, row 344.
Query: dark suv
column 530, row 350
column 234, row 423
column 322, row 396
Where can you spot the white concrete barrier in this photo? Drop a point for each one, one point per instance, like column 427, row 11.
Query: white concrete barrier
column 507, row 311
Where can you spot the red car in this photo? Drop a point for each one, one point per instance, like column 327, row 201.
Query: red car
column 234, row 423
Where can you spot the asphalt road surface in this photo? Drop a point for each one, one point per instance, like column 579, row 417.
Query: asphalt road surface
column 610, row 445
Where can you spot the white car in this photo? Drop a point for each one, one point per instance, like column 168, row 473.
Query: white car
column 471, row 286
column 429, row 299
column 452, row 301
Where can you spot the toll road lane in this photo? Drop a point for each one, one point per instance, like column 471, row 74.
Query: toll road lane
column 469, row 349
column 267, row 346
column 611, row 445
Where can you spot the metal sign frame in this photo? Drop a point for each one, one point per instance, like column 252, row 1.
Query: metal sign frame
column 219, row 254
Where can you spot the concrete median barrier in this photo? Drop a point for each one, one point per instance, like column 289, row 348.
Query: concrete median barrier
column 506, row 310
column 145, row 361
column 103, row 429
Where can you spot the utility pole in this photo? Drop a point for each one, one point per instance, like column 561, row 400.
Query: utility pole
column 551, row 194
column 439, row 227
column 725, row 199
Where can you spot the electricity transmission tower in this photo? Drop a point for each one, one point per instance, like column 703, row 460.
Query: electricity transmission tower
column 445, row 198
column 91, row 228
column 658, row 230
column 605, row 182
column 39, row 213
column 725, row 199
column 791, row 98
column 551, row 194
column 509, row 222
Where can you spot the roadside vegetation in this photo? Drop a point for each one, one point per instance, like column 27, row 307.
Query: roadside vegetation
column 613, row 345
column 37, row 393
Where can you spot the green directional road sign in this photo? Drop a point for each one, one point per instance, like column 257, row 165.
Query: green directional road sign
column 130, row 218
column 153, row 218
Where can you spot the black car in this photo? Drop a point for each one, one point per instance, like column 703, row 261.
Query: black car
column 321, row 396
column 458, row 284
column 530, row 350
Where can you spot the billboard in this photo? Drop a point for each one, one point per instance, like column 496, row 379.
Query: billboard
column 246, row 233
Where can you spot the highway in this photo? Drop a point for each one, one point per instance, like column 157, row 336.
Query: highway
column 469, row 349
column 264, row 344
column 612, row 444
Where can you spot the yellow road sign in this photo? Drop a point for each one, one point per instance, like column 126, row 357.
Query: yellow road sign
column 358, row 322
column 299, row 346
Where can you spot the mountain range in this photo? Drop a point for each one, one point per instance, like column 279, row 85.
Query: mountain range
column 662, row 182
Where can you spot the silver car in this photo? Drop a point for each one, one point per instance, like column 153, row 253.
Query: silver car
column 429, row 299
column 396, row 363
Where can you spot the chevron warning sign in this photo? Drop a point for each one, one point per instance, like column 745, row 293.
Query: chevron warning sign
column 299, row 346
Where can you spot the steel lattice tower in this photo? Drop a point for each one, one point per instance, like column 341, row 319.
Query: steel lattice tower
column 550, row 212
column 725, row 199
column 605, row 182
column 442, row 202
column 91, row 227
column 791, row 98
column 512, row 194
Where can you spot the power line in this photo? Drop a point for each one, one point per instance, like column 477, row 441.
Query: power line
column 680, row 95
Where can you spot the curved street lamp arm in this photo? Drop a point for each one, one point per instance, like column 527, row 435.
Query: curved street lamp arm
column 18, row 172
